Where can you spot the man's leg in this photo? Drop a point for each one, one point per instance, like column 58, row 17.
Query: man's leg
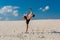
column 27, row 24
column 27, row 28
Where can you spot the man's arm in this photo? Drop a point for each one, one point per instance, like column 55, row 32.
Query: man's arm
column 31, row 11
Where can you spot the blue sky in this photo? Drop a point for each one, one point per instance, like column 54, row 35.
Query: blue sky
column 43, row 9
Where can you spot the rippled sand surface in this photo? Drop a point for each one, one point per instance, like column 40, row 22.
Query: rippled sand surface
column 31, row 36
column 38, row 30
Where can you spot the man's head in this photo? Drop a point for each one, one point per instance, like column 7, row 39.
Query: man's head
column 33, row 15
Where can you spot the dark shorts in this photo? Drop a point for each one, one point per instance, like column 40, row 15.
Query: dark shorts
column 27, row 20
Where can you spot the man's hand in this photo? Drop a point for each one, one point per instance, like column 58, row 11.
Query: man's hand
column 22, row 17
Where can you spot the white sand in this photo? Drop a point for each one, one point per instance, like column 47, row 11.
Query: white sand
column 38, row 30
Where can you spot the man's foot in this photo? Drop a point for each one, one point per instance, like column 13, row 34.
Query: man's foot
column 27, row 32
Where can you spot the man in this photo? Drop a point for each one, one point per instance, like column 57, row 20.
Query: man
column 27, row 18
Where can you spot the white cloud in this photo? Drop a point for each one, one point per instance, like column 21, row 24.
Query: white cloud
column 8, row 9
column 15, row 7
column 45, row 8
column 15, row 13
column 40, row 8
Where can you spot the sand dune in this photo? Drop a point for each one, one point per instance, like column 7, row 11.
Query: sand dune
column 15, row 30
